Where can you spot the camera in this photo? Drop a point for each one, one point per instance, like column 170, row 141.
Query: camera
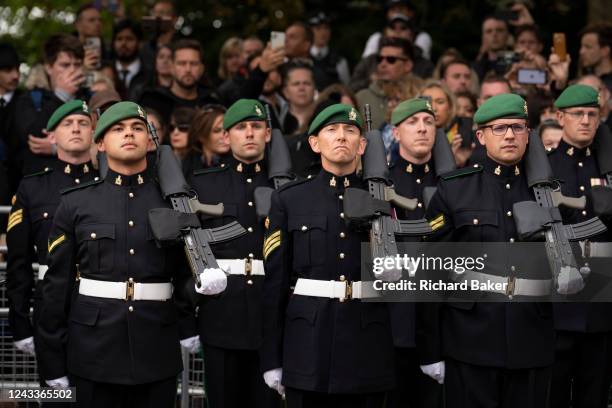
column 505, row 59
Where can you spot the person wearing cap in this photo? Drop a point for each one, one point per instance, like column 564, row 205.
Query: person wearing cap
column 230, row 324
column 322, row 345
column 493, row 352
column 33, row 207
column 581, row 375
column 330, row 66
column 414, row 128
column 115, row 335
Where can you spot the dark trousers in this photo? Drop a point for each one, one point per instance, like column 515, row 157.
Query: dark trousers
column 581, row 374
column 414, row 389
column 310, row 399
column 92, row 394
column 471, row 386
column 233, row 379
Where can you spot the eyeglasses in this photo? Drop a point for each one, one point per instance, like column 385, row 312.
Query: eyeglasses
column 580, row 114
column 501, row 129
column 181, row 128
column 389, row 58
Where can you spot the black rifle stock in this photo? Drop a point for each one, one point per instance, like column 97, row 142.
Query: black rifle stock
column 196, row 239
column 384, row 226
column 279, row 168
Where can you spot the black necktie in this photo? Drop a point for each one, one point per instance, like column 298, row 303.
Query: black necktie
column 124, row 75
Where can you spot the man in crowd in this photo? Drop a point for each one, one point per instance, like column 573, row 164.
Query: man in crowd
column 230, row 324
column 298, row 88
column 187, row 89
column 133, row 74
column 321, row 349
column 9, row 80
column 457, row 75
column 88, row 22
column 32, row 212
column 394, row 62
column 329, row 64
column 490, row 353
column 415, row 130
column 596, row 51
column 494, row 40
column 604, row 96
column 581, row 375
column 30, row 149
column 117, row 339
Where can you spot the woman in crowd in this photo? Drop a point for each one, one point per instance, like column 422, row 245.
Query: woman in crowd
column 182, row 144
column 163, row 67
column 230, row 59
column 211, row 142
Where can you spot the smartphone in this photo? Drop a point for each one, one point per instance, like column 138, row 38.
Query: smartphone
column 277, row 39
column 559, row 45
column 531, row 77
column 465, row 129
column 95, row 44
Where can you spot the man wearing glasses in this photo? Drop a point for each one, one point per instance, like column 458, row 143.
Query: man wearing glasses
column 583, row 330
column 394, row 62
column 489, row 353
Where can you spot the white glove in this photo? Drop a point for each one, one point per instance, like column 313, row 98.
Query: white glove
column 214, row 281
column 26, row 345
column 273, row 380
column 191, row 344
column 569, row 281
column 389, row 275
column 58, row 383
column 435, row 371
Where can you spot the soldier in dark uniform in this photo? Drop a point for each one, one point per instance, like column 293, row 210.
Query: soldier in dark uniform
column 34, row 205
column 326, row 346
column 230, row 324
column 490, row 354
column 117, row 340
column 415, row 130
column 581, row 375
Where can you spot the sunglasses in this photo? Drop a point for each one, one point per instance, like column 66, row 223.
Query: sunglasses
column 181, row 128
column 390, row 59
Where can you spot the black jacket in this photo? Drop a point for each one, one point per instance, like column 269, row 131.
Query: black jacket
column 476, row 206
column 322, row 344
column 233, row 319
column 103, row 228
column 31, row 216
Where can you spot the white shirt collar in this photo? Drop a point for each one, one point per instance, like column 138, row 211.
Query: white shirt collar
column 132, row 69
column 7, row 97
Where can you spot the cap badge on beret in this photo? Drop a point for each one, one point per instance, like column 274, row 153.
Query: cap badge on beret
column 599, row 98
column 428, row 106
column 85, row 108
column 258, row 111
column 525, row 108
column 352, row 114
column 141, row 113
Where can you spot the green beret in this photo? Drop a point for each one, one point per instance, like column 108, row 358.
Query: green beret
column 116, row 113
column 408, row 108
column 241, row 110
column 504, row 106
column 578, row 95
column 74, row 107
column 338, row 113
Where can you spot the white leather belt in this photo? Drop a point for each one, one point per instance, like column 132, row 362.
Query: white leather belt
column 42, row 270
column 513, row 286
column 129, row 290
column 596, row 249
column 342, row 289
column 242, row 266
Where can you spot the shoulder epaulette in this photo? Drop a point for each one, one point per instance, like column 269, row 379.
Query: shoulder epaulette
column 47, row 170
column 294, row 183
column 80, row 186
column 210, row 170
column 477, row 168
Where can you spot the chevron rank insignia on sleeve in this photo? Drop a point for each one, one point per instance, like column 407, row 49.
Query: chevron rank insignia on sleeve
column 15, row 218
column 271, row 243
column 56, row 242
